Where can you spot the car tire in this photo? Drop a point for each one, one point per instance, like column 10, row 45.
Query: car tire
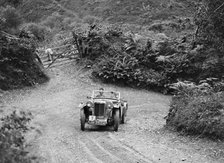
column 124, row 115
column 123, row 118
column 116, row 120
column 82, row 119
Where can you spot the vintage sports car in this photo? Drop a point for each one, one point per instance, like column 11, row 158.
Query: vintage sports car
column 103, row 108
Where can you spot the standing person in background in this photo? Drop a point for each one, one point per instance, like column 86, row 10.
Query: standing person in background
column 49, row 53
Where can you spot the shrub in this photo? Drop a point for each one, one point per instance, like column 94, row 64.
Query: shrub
column 126, row 70
column 14, row 3
column 69, row 22
column 54, row 21
column 209, row 20
column 20, row 66
column 2, row 22
column 38, row 31
column 11, row 18
column 197, row 109
column 12, row 141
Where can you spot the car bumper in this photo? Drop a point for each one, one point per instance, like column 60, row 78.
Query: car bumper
column 99, row 122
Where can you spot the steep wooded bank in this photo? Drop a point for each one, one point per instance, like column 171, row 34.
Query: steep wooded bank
column 19, row 64
column 198, row 109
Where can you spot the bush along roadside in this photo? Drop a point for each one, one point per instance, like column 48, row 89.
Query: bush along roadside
column 198, row 109
column 12, row 141
column 131, row 59
column 19, row 64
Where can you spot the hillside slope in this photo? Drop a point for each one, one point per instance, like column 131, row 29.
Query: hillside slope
column 126, row 11
column 131, row 11
column 37, row 10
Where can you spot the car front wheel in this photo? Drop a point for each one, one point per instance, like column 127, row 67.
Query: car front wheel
column 82, row 119
column 124, row 115
column 123, row 118
column 116, row 120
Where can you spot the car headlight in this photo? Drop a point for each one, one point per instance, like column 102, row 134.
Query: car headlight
column 110, row 105
column 89, row 104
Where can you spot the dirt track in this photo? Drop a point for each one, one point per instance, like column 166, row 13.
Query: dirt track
column 57, row 137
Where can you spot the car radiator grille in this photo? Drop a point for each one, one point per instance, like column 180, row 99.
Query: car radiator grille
column 99, row 109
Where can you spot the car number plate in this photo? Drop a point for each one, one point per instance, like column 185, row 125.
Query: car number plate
column 92, row 118
column 101, row 122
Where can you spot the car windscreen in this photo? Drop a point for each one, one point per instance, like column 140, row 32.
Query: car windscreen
column 106, row 95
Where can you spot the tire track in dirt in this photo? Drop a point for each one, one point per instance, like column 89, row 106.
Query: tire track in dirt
column 90, row 153
column 122, row 152
column 52, row 144
column 131, row 150
column 107, row 149
column 95, row 151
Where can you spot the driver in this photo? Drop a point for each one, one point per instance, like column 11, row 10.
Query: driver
column 116, row 95
column 100, row 95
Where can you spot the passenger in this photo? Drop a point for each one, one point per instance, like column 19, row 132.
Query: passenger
column 101, row 93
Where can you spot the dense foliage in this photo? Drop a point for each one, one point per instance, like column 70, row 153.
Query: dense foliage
column 19, row 64
column 12, row 142
column 10, row 2
column 209, row 19
column 198, row 109
column 35, row 31
column 135, row 60
column 119, row 58
column 10, row 19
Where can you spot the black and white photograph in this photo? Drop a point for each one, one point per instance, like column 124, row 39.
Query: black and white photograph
column 111, row 81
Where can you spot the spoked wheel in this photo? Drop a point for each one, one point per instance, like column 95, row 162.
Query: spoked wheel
column 82, row 119
column 116, row 120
